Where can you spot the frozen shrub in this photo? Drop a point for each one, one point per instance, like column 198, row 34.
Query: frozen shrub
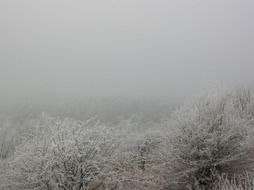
column 63, row 154
column 144, row 150
column 210, row 139
column 135, row 158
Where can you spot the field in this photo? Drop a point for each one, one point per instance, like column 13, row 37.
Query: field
column 124, row 144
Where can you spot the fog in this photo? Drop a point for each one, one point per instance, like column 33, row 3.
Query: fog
column 131, row 48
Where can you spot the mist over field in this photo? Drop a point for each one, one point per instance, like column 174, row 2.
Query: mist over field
column 126, row 95
column 75, row 49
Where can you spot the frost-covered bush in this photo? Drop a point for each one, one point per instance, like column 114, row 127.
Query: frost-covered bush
column 63, row 154
column 211, row 138
column 135, row 158
column 71, row 154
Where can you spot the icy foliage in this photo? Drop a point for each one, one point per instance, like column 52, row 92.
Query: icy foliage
column 64, row 154
column 211, row 138
column 207, row 144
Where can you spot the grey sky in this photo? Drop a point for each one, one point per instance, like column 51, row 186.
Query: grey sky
column 123, row 47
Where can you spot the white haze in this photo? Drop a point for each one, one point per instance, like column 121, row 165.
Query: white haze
column 134, row 48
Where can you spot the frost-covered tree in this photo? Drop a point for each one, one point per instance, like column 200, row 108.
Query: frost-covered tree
column 63, row 154
column 211, row 138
